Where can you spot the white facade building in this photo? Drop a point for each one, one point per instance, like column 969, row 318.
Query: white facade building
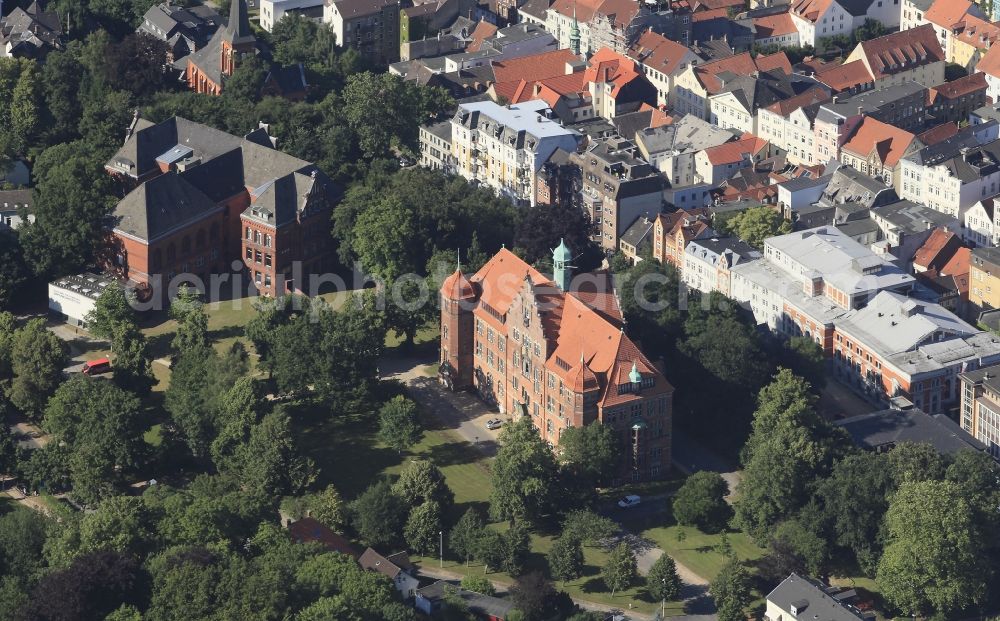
column 271, row 11
column 73, row 297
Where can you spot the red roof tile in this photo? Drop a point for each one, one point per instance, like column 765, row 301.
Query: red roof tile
column 901, row 51
column 774, row 25
column 938, row 133
column 808, row 97
column 844, row 77
column 483, row 31
column 890, row 141
column 609, row 66
column 740, row 64
column 658, row 52
column 961, row 86
column 733, row 152
column 509, row 74
column 810, row 10
column 947, row 13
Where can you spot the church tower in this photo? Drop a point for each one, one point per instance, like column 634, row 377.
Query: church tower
column 574, row 35
column 458, row 299
column 238, row 39
column 561, row 269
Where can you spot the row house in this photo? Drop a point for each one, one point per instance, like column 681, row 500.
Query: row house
column 719, row 163
column 902, row 106
column 876, row 148
column 984, row 278
column 708, row 263
column 953, row 175
column 661, row 60
column 953, row 102
column 902, row 347
column 777, row 29
column 989, row 66
column 816, row 20
column 505, row 147
column 980, row 409
column 981, row 224
column 200, row 199
column 945, row 17
column 536, row 347
column 674, row 230
column 900, row 57
column 844, row 79
column 616, row 188
column 369, row 26
column 789, row 124
column 735, row 106
column 693, row 87
column 904, row 226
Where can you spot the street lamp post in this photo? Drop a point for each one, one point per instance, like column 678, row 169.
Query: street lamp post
column 441, row 548
column 663, row 600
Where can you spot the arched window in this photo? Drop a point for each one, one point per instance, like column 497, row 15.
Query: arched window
column 199, row 241
column 186, row 245
column 171, row 253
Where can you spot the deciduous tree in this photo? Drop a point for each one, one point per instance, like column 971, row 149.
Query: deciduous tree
column 423, row 528
column 620, row 570
column 662, row 581
column 37, row 360
column 731, row 591
column 523, row 474
column 701, row 502
column 566, row 558
column 398, row 424
column 378, row 515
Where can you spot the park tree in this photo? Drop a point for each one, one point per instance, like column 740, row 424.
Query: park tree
column 398, row 423
column 566, row 558
column 422, row 529
column 754, row 225
column 22, row 537
column 932, row 562
column 378, row 515
column 731, row 591
column 542, row 230
column 73, row 197
column 489, row 549
column 590, row 528
column 726, row 346
column 13, row 269
column 701, row 502
column 855, row 498
column 464, row 535
column 61, row 79
column 111, row 309
column 92, row 587
column 121, row 524
column 795, row 547
column 269, row 463
column 100, row 424
column 37, row 360
column 478, row 584
column 620, row 571
column 515, row 544
column 790, row 449
column 328, row 507
column 523, row 474
column 591, row 450
column 247, row 80
column 132, row 360
column 25, row 109
column 188, row 310
column 910, row 461
column 536, row 598
column 409, row 306
column 805, row 358
column 662, row 581
column 421, row 481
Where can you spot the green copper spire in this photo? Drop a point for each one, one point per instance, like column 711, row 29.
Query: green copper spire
column 574, row 35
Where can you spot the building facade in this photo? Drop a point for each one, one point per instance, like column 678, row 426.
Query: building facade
column 532, row 347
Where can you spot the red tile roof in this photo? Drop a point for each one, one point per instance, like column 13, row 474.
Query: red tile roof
column 961, row 86
column 844, row 77
column 810, row 10
column 740, row 64
column 990, row 62
column 808, row 97
column 310, row 530
column 706, row 15
column 978, row 33
column 930, row 254
column 889, row 141
column 901, row 51
column 610, row 66
column 733, row 152
column 510, row 74
column 619, row 11
column 712, row 5
column 947, row 13
column 938, row 133
column 658, row 52
column 483, row 31
column 774, row 25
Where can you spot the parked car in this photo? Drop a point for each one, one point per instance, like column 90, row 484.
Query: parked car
column 494, row 423
column 629, row 501
column 96, row 367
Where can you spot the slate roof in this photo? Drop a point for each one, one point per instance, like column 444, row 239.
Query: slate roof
column 811, row 600
column 160, row 206
column 477, row 602
column 886, row 428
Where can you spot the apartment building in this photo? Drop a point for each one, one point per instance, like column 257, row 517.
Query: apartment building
column 953, row 102
column 980, row 224
column 904, row 226
column 984, row 279
column 735, row 106
column 980, row 411
column 902, row 347
column 369, row 26
column 876, row 148
column 617, row 187
column 790, row 125
column 534, row 346
column 989, row 66
column 708, row 263
column 435, row 146
column 589, row 25
column 947, row 18
column 693, row 87
column 717, row 164
column 807, row 279
column 505, row 147
column 674, row 230
column 902, row 106
column 271, row 11
column 954, row 174
column 914, row 55
column 662, row 60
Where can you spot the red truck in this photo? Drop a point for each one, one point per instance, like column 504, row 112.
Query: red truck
column 96, row 367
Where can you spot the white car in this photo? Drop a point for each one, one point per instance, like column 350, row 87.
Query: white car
column 494, row 423
column 629, row 501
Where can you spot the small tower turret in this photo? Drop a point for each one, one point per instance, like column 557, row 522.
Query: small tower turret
column 574, row 35
column 561, row 269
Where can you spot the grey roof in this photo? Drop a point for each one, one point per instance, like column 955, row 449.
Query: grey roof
column 732, row 249
column 855, row 228
column 688, row 135
column 352, row 9
column 160, row 206
column 87, row 285
column 11, row 199
column 208, row 58
column 279, row 201
column 803, row 182
column 169, row 22
column 763, row 89
column 851, row 185
column 986, row 254
column 857, row 8
column 869, row 101
column 892, row 323
column 441, row 129
column 238, row 27
column 630, row 123
column 477, row 602
column 991, row 111
column 635, row 234
column 812, row 600
column 912, row 217
column 886, row 428
column 950, row 147
column 536, row 8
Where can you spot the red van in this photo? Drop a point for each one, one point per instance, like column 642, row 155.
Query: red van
column 96, row 367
